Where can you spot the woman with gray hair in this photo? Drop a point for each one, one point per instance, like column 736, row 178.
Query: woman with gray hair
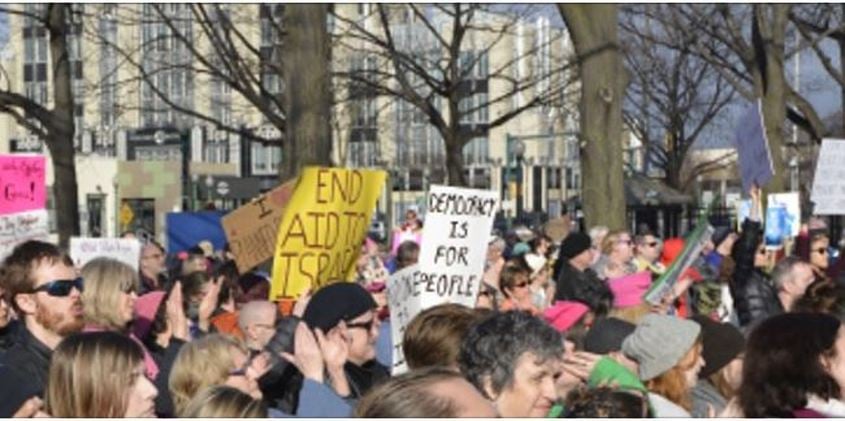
column 513, row 359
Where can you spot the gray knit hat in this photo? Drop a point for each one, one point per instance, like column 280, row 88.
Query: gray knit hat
column 659, row 342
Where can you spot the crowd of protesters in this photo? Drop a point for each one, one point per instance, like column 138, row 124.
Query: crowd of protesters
column 560, row 329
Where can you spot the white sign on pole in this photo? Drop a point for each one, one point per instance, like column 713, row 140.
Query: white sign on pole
column 126, row 250
column 456, row 233
column 829, row 181
column 19, row 227
column 404, row 301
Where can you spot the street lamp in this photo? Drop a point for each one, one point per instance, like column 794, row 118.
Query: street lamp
column 519, row 152
column 209, row 182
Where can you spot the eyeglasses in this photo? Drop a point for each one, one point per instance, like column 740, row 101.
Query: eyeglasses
column 60, row 287
column 362, row 325
column 652, row 244
column 820, row 250
column 521, row 285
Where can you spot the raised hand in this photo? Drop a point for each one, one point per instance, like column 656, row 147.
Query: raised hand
column 209, row 303
column 176, row 313
column 335, row 350
column 580, row 364
column 301, row 303
column 307, row 356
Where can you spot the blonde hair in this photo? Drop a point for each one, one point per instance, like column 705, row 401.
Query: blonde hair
column 673, row 384
column 91, row 375
column 610, row 240
column 201, row 364
column 105, row 281
column 224, row 402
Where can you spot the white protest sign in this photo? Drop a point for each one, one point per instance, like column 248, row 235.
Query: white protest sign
column 455, row 236
column 829, row 181
column 126, row 250
column 16, row 228
column 404, row 301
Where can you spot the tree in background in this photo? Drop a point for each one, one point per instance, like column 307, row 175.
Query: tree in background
column 594, row 32
column 54, row 125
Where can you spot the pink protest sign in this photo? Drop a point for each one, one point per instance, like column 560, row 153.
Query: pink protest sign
column 21, row 183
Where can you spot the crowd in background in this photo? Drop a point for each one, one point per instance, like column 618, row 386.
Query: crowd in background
column 560, row 329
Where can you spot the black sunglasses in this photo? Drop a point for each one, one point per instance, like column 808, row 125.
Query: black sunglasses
column 60, row 287
column 363, row 325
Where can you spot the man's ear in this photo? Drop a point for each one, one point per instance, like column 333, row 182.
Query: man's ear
column 487, row 383
column 26, row 303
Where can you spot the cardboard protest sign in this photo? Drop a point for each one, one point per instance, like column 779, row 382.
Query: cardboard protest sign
column 692, row 250
column 16, row 228
column 323, row 227
column 187, row 229
column 456, row 233
column 22, row 183
column 404, row 301
column 828, row 193
column 126, row 250
column 755, row 158
column 252, row 228
column 783, row 218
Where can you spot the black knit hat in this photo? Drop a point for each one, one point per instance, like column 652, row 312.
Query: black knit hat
column 606, row 335
column 574, row 244
column 333, row 303
column 722, row 343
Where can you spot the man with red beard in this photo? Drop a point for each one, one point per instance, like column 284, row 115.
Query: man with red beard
column 45, row 291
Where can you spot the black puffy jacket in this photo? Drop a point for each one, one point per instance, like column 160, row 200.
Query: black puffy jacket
column 755, row 296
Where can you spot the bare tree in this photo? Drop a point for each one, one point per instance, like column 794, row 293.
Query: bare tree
column 674, row 96
column 753, row 64
column 308, row 79
column 817, row 23
column 216, row 43
column 53, row 125
column 433, row 65
column 603, row 80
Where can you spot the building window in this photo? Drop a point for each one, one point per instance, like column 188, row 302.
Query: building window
column 166, row 57
column 265, row 159
column 145, row 215
column 158, row 153
column 476, row 151
column 215, row 151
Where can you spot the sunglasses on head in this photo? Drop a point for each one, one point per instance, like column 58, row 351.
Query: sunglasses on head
column 60, row 287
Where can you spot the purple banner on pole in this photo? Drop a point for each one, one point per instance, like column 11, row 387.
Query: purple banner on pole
column 755, row 158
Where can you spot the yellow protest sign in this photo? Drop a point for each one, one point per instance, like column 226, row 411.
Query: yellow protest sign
column 323, row 227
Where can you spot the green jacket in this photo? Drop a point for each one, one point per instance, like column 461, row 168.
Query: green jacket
column 607, row 372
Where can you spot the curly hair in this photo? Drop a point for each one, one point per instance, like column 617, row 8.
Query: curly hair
column 783, row 364
column 605, row 402
column 492, row 347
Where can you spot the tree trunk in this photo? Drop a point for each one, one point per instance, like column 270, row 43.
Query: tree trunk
column 841, row 43
column 593, row 29
column 767, row 36
column 307, row 88
column 61, row 129
column 455, row 160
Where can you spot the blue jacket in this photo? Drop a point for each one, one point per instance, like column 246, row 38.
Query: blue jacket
column 316, row 400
